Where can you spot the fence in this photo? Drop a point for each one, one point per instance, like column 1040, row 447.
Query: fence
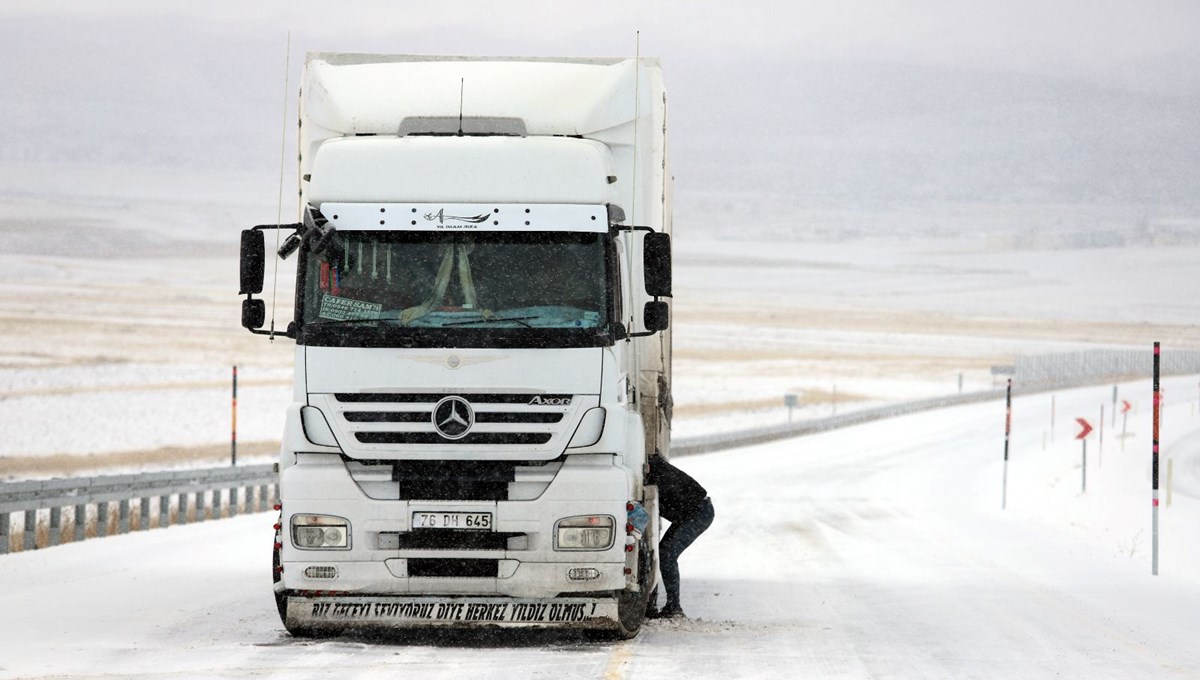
column 730, row 440
column 1092, row 365
column 182, row 496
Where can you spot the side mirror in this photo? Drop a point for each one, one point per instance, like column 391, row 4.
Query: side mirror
column 291, row 245
column 254, row 258
column 254, row 313
column 656, row 316
column 656, row 261
column 324, row 238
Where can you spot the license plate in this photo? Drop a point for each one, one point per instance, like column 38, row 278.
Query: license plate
column 477, row 521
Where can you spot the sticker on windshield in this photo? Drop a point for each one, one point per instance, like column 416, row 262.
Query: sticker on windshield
column 345, row 309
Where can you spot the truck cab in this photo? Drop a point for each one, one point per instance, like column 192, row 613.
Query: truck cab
column 482, row 362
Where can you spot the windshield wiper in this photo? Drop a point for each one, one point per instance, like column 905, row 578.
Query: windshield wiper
column 519, row 319
column 339, row 322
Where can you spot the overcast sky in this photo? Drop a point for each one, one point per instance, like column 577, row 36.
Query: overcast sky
column 1103, row 40
column 835, row 102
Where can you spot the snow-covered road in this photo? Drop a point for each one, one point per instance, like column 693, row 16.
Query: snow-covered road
column 878, row 551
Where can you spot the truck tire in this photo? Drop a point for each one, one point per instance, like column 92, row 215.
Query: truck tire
column 280, row 595
column 632, row 606
column 277, row 578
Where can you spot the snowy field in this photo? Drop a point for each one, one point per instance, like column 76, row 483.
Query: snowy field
column 128, row 336
column 878, row 551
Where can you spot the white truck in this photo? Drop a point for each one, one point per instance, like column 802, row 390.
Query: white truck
column 483, row 357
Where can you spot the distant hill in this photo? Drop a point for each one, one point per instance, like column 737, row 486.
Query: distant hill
column 204, row 99
column 859, row 134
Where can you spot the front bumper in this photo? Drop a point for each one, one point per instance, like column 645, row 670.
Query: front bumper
column 519, row 579
column 526, row 566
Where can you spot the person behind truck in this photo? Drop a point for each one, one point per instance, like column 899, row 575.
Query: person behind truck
column 686, row 505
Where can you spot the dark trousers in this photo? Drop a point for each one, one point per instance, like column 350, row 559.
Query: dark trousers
column 679, row 536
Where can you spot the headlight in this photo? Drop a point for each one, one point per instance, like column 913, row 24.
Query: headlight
column 589, row 532
column 317, row 532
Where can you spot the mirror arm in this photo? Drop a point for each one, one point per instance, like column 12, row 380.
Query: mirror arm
column 291, row 331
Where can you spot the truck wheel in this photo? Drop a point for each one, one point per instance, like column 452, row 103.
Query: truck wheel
column 277, row 581
column 281, row 600
column 631, row 607
column 631, row 613
column 277, row 586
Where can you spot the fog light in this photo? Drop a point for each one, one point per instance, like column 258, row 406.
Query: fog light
column 321, row 572
column 583, row 574
column 589, row 532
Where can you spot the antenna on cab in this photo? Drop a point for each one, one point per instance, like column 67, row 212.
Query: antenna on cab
column 637, row 64
column 287, row 66
column 462, row 84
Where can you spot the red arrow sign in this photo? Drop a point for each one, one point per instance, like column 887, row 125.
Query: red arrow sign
column 1087, row 427
column 1125, row 406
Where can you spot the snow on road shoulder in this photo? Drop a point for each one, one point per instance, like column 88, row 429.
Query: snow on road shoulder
column 874, row 551
column 882, row 549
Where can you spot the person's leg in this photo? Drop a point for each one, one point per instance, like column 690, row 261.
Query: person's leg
column 679, row 536
column 668, row 563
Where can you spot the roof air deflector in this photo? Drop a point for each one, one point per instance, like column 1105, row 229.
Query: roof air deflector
column 471, row 125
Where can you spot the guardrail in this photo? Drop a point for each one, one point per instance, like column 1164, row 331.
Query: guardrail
column 221, row 492
column 181, row 496
column 730, row 440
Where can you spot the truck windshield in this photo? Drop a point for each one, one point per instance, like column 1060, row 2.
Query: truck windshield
column 381, row 288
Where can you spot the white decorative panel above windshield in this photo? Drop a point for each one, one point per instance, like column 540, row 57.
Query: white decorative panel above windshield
column 466, row 217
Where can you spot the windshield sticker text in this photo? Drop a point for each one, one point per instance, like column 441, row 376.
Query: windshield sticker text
column 344, row 309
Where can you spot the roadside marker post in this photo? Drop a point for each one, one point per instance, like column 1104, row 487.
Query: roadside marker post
column 233, row 427
column 1051, row 418
column 1154, row 471
column 1125, row 406
column 1169, row 461
column 1114, row 407
column 1100, row 431
column 1007, row 431
column 1082, row 436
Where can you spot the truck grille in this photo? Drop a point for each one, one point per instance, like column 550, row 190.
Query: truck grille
column 446, row 539
column 453, row 480
column 422, row 417
column 371, row 425
column 453, row 568
column 445, row 480
column 434, row 438
column 427, row 397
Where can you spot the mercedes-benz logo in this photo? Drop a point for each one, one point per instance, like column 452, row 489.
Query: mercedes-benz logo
column 453, row 417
